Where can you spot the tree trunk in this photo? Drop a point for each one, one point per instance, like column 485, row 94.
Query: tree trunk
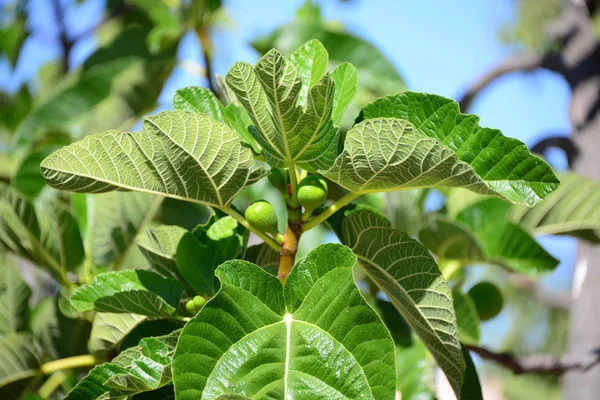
column 584, row 327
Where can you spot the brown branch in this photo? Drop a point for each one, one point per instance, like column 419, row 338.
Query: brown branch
column 565, row 143
column 207, row 49
column 522, row 62
column 540, row 364
column 65, row 42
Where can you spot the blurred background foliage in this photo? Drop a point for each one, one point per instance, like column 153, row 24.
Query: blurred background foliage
column 134, row 48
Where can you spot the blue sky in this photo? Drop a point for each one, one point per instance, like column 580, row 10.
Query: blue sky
column 440, row 46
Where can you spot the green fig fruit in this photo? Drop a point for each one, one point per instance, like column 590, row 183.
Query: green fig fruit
column 199, row 302
column 190, row 307
column 488, row 300
column 280, row 179
column 262, row 215
column 312, row 192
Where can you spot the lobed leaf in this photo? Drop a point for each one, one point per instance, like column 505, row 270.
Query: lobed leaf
column 129, row 291
column 259, row 339
column 502, row 165
column 387, row 154
column 177, row 154
column 411, row 280
column 288, row 130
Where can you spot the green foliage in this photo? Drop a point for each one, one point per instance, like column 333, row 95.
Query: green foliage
column 256, row 322
column 318, row 307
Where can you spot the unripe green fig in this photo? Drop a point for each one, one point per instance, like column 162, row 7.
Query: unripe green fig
column 190, row 307
column 488, row 300
column 262, row 215
column 312, row 192
column 199, row 302
column 280, row 179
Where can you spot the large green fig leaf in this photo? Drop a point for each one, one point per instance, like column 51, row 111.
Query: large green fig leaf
column 145, row 368
column 573, row 209
column 46, row 233
column 14, row 300
column 310, row 61
column 410, row 278
column 288, row 130
column 259, row 339
column 178, row 154
column 491, row 162
column 115, row 219
column 129, row 291
column 386, row 154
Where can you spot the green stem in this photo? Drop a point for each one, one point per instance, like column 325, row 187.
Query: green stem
column 449, row 268
column 244, row 222
column 330, row 211
column 294, row 183
column 69, row 363
column 52, row 384
column 181, row 319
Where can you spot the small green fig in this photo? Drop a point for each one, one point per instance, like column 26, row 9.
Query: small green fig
column 262, row 215
column 280, row 179
column 199, row 302
column 190, row 307
column 312, row 192
column 488, row 300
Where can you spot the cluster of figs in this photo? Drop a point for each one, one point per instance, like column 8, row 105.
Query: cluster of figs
column 312, row 193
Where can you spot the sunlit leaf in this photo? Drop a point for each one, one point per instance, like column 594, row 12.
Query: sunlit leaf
column 178, row 154
column 275, row 335
column 466, row 317
column 286, row 131
column 494, row 163
column 109, row 330
column 411, row 280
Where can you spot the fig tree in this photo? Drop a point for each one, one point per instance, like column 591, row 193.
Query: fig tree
column 262, row 215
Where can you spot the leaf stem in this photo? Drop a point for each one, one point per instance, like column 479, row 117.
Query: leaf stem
column 52, row 384
column 294, row 183
column 330, row 211
column 69, row 363
column 244, row 222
